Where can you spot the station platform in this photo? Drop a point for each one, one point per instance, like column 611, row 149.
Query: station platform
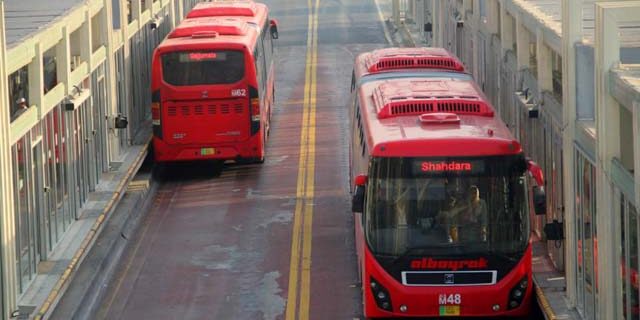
column 100, row 219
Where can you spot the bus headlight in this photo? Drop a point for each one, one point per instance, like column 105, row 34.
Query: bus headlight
column 517, row 293
column 380, row 294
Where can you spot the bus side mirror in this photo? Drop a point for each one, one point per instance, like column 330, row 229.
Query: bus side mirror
column 539, row 200
column 539, row 195
column 357, row 202
column 274, row 28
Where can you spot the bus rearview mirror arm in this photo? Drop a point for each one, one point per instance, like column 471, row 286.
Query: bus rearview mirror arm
column 274, row 28
column 539, row 195
column 357, row 201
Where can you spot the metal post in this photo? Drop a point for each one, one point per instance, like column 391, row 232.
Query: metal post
column 395, row 9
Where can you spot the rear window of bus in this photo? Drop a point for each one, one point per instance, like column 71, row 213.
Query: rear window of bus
column 190, row 68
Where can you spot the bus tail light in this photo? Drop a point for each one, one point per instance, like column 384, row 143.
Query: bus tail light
column 517, row 293
column 254, row 110
column 156, row 114
column 381, row 295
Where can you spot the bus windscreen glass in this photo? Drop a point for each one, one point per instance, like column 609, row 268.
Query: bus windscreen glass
column 190, row 68
column 447, row 206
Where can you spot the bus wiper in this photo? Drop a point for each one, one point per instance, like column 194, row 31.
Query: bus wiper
column 503, row 255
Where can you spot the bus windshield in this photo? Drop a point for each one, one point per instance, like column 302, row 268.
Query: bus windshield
column 447, row 206
column 189, row 68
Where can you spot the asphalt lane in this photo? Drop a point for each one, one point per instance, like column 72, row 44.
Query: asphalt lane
column 217, row 242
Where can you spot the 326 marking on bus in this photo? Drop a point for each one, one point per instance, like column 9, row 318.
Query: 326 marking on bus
column 239, row 92
column 444, row 298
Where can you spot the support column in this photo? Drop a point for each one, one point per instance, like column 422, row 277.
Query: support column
column 437, row 23
column 506, row 30
column 36, row 79
column 85, row 35
column 8, row 285
column 522, row 39
column 543, row 53
column 493, row 14
column 111, row 73
column 395, row 10
column 607, row 54
column 571, row 34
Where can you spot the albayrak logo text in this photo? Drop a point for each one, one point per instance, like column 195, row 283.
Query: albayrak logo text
column 434, row 264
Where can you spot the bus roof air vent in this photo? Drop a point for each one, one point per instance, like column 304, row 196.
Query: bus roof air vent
column 220, row 26
column 403, row 58
column 464, row 106
column 419, row 98
column 215, row 8
column 399, row 104
column 439, row 118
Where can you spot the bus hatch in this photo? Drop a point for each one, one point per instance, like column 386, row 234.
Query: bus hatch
column 206, row 121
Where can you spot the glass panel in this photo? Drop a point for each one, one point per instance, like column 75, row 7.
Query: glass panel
column 634, row 247
column 588, row 241
column 25, row 246
column 579, row 231
column 19, row 92
column 624, row 263
column 202, row 67
column 49, row 70
column 52, row 158
column 459, row 206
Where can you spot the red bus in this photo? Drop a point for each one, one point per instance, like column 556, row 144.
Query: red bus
column 440, row 199
column 213, row 87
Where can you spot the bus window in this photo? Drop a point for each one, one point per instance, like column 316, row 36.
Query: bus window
column 202, row 67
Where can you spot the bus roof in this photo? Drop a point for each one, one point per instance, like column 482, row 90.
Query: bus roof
column 406, row 59
column 210, row 39
column 433, row 117
column 251, row 11
column 227, row 26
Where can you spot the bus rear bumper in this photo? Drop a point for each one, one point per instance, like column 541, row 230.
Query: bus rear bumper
column 164, row 152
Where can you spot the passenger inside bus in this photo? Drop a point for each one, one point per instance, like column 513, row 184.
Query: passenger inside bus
column 465, row 217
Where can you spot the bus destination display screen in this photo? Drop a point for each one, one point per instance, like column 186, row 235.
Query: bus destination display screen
column 438, row 167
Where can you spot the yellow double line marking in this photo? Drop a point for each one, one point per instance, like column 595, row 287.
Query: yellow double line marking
column 300, row 264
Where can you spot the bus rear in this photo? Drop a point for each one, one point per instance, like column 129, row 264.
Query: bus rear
column 205, row 97
column 441, row 202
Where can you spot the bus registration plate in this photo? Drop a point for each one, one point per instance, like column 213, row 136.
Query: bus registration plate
column 207, row 151
column 449, row 310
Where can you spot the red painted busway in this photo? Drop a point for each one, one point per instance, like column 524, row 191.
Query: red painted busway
column 213, row 84
column 440, row 193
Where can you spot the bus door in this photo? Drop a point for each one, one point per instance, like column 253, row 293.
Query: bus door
column 210, row 102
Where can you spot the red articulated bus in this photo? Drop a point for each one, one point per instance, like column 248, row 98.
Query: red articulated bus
column 440, row 199
column 213, row 84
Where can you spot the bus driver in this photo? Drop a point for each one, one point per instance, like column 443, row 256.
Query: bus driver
column 470, row 216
